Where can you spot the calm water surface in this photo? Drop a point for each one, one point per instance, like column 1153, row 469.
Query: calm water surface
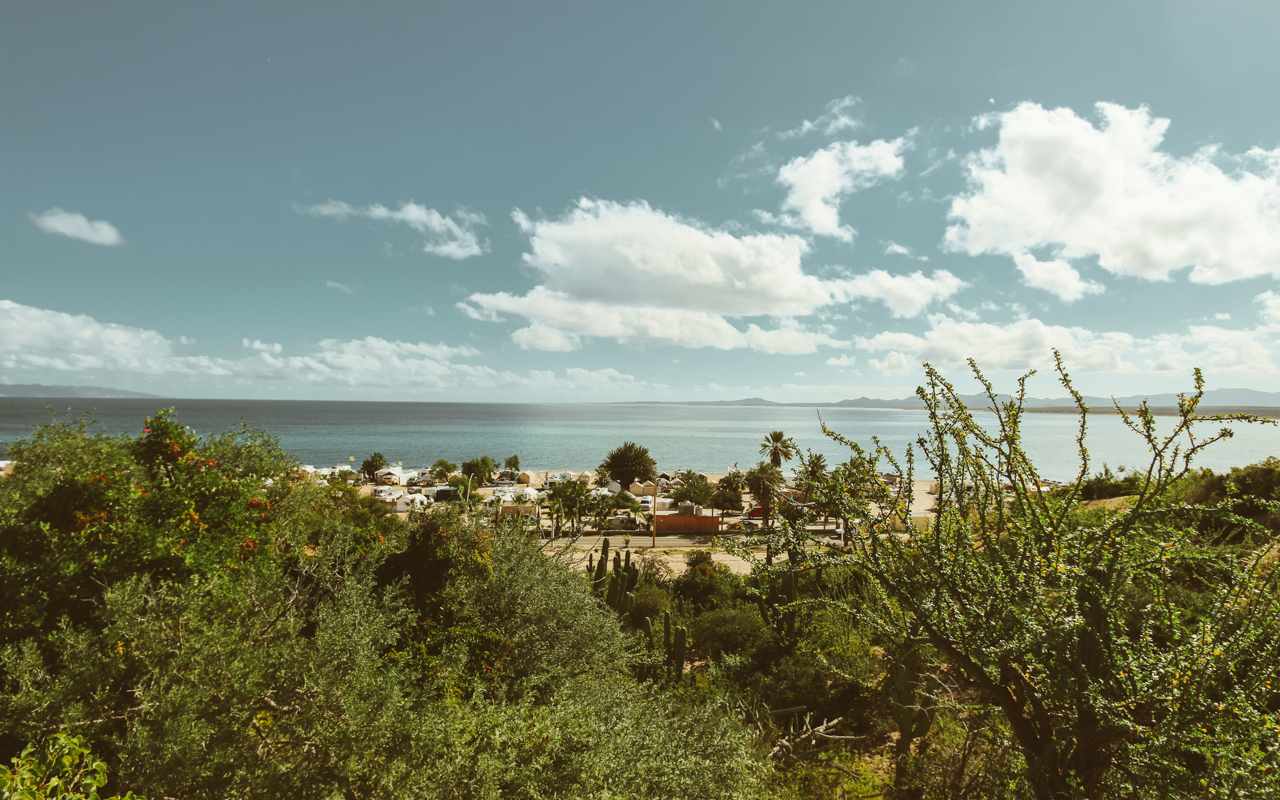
column 571, row 436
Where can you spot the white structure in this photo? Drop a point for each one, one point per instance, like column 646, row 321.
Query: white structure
column 394, row 476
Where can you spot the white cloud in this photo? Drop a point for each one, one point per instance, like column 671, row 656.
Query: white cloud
column 789, row 339
column 833, row 120
column 342, row 287
column 445, row 236
column 263, row 347
column 36, row 338
column 894, row 363
column 478, row 314
column 1055, row 181
column 1055, row 276
column 1017, row 346
column 1270, row 302
column 44, row 342
column 894, row 249
column 844, row 360
column 715, row 123
column 905, row 295
column 816, row 183
column 1028, row 343
column 78, row 226
column 539, row 336
column 633, row 254
column 635, row 274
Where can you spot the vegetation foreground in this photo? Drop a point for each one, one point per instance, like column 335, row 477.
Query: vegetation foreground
column 196, row 618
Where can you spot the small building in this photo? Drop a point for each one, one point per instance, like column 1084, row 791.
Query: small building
column 394, row 476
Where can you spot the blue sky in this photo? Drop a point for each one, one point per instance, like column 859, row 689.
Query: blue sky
column 609, row 201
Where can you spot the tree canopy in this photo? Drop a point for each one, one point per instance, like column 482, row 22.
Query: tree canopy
column 778, row 447
column 370, row 466
column 629, row 463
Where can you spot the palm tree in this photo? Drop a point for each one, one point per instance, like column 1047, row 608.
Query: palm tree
column 811, row 477
column 778, row 447
column 762, row 480
column 628, row 463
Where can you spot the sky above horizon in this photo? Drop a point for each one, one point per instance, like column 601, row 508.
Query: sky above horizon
column 660, row 201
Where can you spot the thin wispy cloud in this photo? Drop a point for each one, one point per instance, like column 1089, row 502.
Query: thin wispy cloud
column 446, row 236
column 78, row 226
column 835, row 119
column 342, row 287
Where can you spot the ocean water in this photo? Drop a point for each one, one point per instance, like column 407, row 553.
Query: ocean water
column 577, row 436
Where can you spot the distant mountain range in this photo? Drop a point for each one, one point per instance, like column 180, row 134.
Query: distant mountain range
column 40, row 390
column 1214, row 398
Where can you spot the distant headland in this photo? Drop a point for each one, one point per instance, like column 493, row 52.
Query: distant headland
column 41, row 390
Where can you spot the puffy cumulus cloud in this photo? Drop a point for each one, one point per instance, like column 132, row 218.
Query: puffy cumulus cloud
column 834, row 119
column 634, row 274
column 1057, row 181
column 1028, row 343
column 904, row 295
column 450, row 237
column 262, row 346
column 816, row 183
column 894, row 363
column 1270, row 302
column 78, row 226
column 558, row 322
column 632, row 254
column 1056, row 276
column 1019, row 345
column 34, row 339
column 790, row 338
column 845, row 360
column 1240, row 352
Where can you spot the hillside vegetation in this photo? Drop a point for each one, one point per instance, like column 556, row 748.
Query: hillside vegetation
column 196, row 618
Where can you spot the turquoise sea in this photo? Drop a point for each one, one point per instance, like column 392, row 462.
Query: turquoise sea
column 577, row 436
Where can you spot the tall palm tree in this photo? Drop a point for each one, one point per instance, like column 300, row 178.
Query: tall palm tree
column 778, row 447
column 762, row 480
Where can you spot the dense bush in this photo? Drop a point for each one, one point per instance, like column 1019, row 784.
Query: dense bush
column 214, row 624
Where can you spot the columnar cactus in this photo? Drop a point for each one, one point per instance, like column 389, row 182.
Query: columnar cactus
column 601, row 566
column 677, row 654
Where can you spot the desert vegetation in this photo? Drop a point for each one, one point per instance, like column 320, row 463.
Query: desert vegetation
column 184, row 617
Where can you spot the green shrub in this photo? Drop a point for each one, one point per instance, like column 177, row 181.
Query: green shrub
column 734, row 630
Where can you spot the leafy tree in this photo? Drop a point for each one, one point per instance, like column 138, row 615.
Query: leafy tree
column 215, row 624
column 1107, row 484
column 727, row 500
column 65, row 770
column 1084, row 630
column 695, row 491
column 370, row 466
column 480, row 468
column 734, row 480
column 629, row 463
column 512, row 463
column 810, row 479
column 573, row 501
column 1250, row 492
column 442, row 469
column 778, row 447
column 763, row 480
